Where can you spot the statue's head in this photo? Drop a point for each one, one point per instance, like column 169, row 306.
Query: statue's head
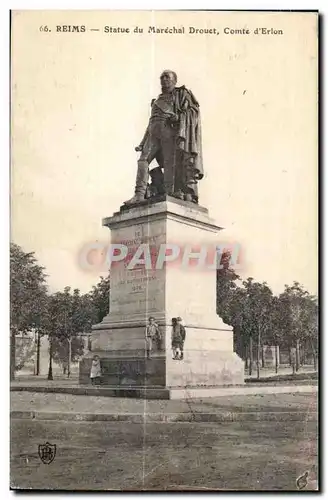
column 168, row 80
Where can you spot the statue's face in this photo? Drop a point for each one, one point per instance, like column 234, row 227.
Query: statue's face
column 168, row 81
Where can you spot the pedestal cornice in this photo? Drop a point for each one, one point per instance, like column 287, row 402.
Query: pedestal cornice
column 165, row 207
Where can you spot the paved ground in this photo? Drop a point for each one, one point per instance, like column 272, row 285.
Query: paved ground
column 105, row 456
column 50, row 402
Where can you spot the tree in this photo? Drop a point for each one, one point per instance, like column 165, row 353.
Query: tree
column 70, row 314
column 78, row 319
column 274, row 334
column 62, row 351
column 51, row 326
column 225, row 284
column 99, row 299
column 257, row 313
column 228, row 297
column 290, row 319
column 247, row 308
column 311, row 326
column 298, row 318
column 28, row 296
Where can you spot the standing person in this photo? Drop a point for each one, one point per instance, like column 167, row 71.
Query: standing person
column 95, row 373
column 178, row 337
column 182, row 335
column 152, row 334
column 175, row 339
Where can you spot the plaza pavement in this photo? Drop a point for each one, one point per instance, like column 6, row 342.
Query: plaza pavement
column 267, row 407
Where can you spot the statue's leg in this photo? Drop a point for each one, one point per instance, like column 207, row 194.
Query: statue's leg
column 146, row 157
column 179, row 174
column 169, row 159
column 191, row 190
column 141, row 183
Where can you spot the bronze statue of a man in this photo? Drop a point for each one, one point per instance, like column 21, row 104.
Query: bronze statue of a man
column 173, row 138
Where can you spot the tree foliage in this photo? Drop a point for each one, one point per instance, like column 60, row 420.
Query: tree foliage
column 28, row 298
column 99, row 299
column 28, row 291
column 258, row 315
column 298, row 314
column 63, row 316
column 228, row 292
column 69, row 315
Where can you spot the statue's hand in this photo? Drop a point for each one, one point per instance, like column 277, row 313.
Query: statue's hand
column 138, row 148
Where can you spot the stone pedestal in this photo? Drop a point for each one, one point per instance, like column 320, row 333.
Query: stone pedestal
column 178, row 288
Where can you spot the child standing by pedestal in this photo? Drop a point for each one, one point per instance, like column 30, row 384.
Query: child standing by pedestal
column 178, row 338
column 95, row 373
column 152, row 334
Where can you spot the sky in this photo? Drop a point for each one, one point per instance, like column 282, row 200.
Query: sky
column 80, row 104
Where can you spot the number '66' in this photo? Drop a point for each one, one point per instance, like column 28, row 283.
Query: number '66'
column 44, row 28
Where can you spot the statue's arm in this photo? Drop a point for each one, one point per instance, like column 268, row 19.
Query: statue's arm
column 146, row 134
column 141, row 145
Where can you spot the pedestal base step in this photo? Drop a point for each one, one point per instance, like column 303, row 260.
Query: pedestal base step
column 165, row 393
column 126, row 373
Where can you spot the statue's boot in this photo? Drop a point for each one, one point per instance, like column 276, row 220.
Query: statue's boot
column 178, row 194
column 141, row 183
